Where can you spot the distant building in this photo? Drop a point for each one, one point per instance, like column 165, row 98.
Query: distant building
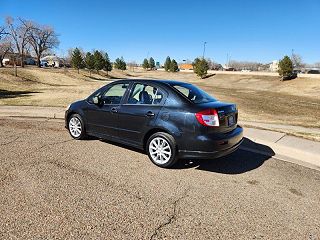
column 186, row 66
column 274, row 66
column 5, row 61
column 227, row 68
column 52, row 61
column 15, row 58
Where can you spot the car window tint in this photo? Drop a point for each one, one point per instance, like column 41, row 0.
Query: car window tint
column 145, row 94
column 114, row 94
column 194, row 94
column 183, row 90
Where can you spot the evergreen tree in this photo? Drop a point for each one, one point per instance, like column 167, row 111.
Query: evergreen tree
column 145, row 64
column 200, row 67
column 173, row 66
column 77, row 59
column 99, row 61
column 117, row 63
column 123, row 65
column 285, row 67
column 107, row 64
column 89, row 61
column 167, row 64
column 120, row 64
column 152, row 63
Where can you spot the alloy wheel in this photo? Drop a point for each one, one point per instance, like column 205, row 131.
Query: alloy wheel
column 75, row 127
column 160, row 150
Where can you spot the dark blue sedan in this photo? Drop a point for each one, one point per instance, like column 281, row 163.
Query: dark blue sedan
column 168, row 119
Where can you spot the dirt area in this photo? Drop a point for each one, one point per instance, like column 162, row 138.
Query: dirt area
column 259, row 98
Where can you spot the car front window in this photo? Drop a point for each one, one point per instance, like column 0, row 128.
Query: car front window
column 114, row 94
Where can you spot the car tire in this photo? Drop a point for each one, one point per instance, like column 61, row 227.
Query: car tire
column 76, row 127
column 161, row 149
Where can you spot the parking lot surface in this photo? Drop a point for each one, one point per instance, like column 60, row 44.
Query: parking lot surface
column 54, row 187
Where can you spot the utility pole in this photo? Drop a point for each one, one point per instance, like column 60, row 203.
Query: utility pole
column 204, row 49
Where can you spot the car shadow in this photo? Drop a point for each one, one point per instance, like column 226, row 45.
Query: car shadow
column 249, row 156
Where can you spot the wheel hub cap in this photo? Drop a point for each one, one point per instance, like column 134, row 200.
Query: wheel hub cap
column 75, row 127
column 160, row 150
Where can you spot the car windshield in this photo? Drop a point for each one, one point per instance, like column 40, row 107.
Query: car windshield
column 194, row 94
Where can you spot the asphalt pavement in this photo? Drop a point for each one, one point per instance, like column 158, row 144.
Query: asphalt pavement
column 53, row 187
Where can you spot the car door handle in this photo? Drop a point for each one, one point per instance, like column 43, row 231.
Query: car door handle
column 114, row 110
column 150, row 114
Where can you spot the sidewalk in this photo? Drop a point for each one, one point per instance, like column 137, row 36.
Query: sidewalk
column 271, row 143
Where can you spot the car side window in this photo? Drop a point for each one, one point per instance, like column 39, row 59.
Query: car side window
column 145, row 94
column 186, row 92
column 114, row 94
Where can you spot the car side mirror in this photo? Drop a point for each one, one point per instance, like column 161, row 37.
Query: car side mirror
column 96, row 100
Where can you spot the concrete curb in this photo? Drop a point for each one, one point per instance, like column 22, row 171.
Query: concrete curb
column 285, row 147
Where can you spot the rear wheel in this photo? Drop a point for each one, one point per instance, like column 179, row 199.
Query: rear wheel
column 76, row 127
column 161, row 149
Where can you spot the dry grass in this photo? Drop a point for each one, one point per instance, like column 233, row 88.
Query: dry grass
column 259, row 98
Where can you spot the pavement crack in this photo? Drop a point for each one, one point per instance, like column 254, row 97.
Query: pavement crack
column 280, row 138
column 54, row 143
column 172, row 217
column 14, row 140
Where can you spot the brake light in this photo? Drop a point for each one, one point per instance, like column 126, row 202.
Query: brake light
column 208, row 118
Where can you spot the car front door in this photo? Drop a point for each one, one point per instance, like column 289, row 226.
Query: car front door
column 139, row 112
column 102, row 118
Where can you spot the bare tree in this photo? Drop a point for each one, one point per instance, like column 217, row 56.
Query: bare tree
column 213, row 65
column 42, row 39
column 245, row 65
column 5, row 48
column 2, row 31
column 297, row 61
column 19, row 34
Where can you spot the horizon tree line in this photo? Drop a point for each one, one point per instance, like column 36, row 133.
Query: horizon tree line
column 95, row 60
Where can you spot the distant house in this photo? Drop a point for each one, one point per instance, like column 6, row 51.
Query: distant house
column 227, row 68
column 186, row 66
column 5, row 61
column 30, row 60
column 52, row 61
column 274, row 66
column 15, row 58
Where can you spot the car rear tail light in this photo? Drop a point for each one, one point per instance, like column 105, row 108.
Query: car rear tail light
column 208, row 118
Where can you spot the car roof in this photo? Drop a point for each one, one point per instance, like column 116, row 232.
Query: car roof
column 168, row 82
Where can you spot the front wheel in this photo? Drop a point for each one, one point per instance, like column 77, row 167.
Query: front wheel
column 161, row 149
column 76, row 127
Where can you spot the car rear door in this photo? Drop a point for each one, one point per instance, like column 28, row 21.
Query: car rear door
column 140, row 111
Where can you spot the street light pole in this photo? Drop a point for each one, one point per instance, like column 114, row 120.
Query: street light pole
column 204, row 49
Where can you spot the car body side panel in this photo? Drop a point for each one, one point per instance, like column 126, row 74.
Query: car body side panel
column 134, row 121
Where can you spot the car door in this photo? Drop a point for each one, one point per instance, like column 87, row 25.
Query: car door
column 140, row 111
column 102, row 118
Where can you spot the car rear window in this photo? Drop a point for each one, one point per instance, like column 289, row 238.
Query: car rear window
column 193, row 93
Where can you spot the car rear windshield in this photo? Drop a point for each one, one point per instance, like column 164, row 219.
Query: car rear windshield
column 194, row 94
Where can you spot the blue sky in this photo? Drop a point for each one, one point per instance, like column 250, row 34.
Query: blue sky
column 250, row 30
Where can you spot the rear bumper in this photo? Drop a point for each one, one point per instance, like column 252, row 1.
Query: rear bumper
column 231, row 144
